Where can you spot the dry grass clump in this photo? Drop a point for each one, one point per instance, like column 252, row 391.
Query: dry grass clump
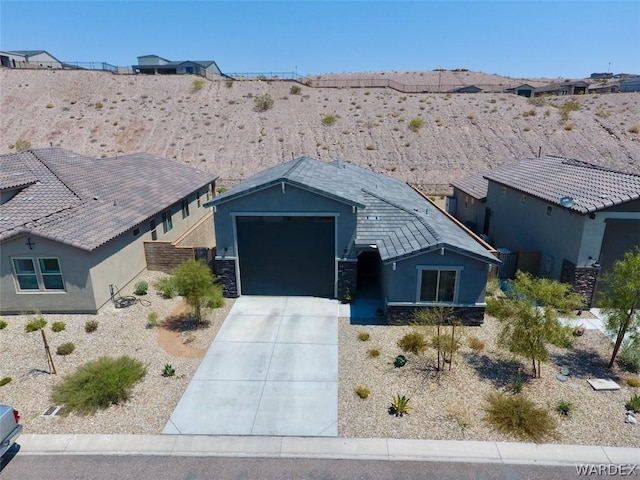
column 413, row 342
column 519, row 416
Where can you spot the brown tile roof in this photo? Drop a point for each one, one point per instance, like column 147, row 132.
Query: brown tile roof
column 585, row 187
column 475, row 185
column 86, row 202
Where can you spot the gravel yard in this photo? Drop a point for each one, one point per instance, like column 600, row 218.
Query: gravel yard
column 448, row 406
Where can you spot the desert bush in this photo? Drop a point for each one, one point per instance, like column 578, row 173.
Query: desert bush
column 516, row 385
column 328, row 119
column 537, row 101
column 518, row 416
column 3, row 324
column 4, row 381
column 35, row 324
column 634, row 403
column 629, row 356
column 152, row 319
column 363, row 336
column 99, row 384
column 22, row 144
column 564, row 407
column 374, row 352
column 416, row 124
column 198, row 83
column 413, row 342
column 228, row 83
column 58, row 326
column 400, row 406
column 634, row 129
column 570, row 106
column 49, row 105
column 167, row 287
column 493, row 287
column 476, row 344
column 570, row 126
column 371, row 146
column 98, row 105
column 362, row 392
column 141, row 287
column 263, row 102
column 65, row 348
column 632, row 381
column 168, row 370
column 91, row 326
column 295, row 90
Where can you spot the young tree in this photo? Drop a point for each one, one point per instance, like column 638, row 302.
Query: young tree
column 194, row 281
column 621, row 300
column 448, row 332
column 529, row 316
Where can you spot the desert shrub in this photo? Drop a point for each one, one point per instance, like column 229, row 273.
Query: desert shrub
column 564, row 407
column 152, row 319
column 198, row 83
column 629, row 356
column 65, row 348
column 4, row 381
column 216, row 300
column 416, row 124
column 98, row 105
column 632, row 381
column 363, row 336
column 537, row 101
column 518, row 416
column 516, row 385
column 328, row 119
column 400, row 406
column 371, row 146
column 22, row 144
column 413, row 342
column 362, row 392
column 3, row 324
column 58, row 326
column 634, row 403
column 49, row 105
column 228, row 83
column 35, row 324
column 634, row 129
column 295, row 90
column 400, row 361
column 91, row 326
column 168, row 370
column 167, row 287
column 263, row 102
column 476, row 344
column 374, row 352
column 99, row 384
column 141, row 287
column 493, row 287
column 570, row 126
column 570, row 106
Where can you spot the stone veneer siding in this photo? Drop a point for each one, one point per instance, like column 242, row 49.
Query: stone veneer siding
column 583, row 280
column 226, row 274
column 403, row 315
column 347, row 278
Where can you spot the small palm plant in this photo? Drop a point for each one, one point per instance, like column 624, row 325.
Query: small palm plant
column 400, row 406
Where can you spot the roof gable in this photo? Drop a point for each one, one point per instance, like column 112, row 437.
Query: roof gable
column 475, row 185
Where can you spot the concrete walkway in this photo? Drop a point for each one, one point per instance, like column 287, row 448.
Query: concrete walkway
column 318, row 447
column 271, row 370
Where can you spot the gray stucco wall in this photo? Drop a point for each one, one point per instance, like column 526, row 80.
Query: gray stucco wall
column 469, row 210
column 527, row 227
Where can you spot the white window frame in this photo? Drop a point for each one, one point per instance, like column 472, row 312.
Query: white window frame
column 439, row 268
column 39, row 275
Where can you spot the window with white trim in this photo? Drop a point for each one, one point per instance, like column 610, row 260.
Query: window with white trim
column 437, row 286
column 43, row 274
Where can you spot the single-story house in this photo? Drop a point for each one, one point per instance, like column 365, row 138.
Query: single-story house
column 563, row 88
column 580, row 218
column 307, row 227
column 153, row 65
column 29, row 59
column 613, row 87
column 524, row 90
column 71, row 226
column 468, row 203
column 630, row 85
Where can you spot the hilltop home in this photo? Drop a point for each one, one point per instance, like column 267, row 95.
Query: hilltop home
column 578, row 217
column 71, row 225
column 306, row 227
column 563, row 88
column 154, row 65
column 29, row 59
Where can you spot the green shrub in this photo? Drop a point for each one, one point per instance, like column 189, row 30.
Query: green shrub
column 142, row 287
column 167, row 287
column 362, row 392
column 58, row 326
column 168, row 370
column 99, row 384
column 518, row 416
column 65, row 348
column 263, row 102
column 3, row 324
column 91, row 326
column 295, row 90
column 634, row 403
column 564, row 407
column 493, row 287
column 516, row 385
column 4, row 381
column 413, row 342
column 570, row 106
column 374, row 352
column 198, row 83
column 629, row 356
column 152, row 319
column 22, row 145
column 328, row 119
column 363, row 336
column 416, row 124
column 35, row 324
column 229, row 83
column 400, row 406
column 400, row 361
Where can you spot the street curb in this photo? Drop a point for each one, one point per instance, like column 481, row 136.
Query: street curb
column 324, row 448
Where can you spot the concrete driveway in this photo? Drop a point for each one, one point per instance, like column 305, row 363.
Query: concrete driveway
column 271, row 370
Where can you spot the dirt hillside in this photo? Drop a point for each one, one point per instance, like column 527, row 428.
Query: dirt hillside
column 216, row 127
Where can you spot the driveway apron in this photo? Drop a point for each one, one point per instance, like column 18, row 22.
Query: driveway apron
column 271, row 370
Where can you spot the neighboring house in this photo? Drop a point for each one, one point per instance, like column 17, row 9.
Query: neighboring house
column 524, row 90
column 604, row 88
column 468, row 203
column 563, row 88
column 154, row 65
column 72, row 225
column 307, row 227
column 630, row 85
column 578, row 217
column 467, row 89
column 29, row 59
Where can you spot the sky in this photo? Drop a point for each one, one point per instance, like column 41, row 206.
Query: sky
column 521, row 39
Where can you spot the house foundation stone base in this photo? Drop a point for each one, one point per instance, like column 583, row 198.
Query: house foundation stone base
column 226, row 272
column 583, row 280
column 403, row 315
column 347, row 278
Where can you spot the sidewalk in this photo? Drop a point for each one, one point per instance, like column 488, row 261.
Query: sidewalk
column 323, row 447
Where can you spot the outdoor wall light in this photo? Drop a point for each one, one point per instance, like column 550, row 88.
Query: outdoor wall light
column 393, row 266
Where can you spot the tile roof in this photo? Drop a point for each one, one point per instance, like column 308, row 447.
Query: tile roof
column 475, row 185
column 587, row 187
column 391, row 215
column 86, row 202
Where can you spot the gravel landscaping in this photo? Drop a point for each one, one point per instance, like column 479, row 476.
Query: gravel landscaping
column 446, row 406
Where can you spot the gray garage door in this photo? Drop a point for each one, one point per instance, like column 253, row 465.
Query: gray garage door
column 619, row 237
column 286, row 255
